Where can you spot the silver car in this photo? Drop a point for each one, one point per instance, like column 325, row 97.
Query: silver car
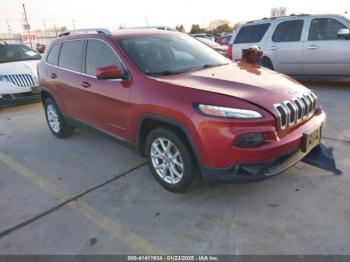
column 304, row 46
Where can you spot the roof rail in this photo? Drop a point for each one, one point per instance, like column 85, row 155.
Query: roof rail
column 102, row 31
column 277, row 17
column 160, row 27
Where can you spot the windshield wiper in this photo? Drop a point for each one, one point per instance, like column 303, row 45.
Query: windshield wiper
column 162, row 73
column 167, row 72
column 206, row 66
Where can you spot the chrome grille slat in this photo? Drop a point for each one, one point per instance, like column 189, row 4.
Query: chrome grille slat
column 293, row 111
column 29, row 79
column 300, row 108
column 25, row 78
column 21, row 80
column 13, row 80
column 306, row 107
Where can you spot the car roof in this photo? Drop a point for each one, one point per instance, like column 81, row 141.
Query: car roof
column 126, row 33
column 117, row 34
column 292, row 16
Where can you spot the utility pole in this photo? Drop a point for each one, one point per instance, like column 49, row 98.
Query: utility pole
column 9, row 27
column 73, row 23
column 54, row 27
column 27, row 24
column 146, row 21
column 44, row 24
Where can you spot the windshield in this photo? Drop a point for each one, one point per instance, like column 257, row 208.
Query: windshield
column 208, row 42
column 13, row 53
column 170, row 54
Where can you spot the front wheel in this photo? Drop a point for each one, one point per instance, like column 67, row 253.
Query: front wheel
column 55, row 120
column 170, row 160
column 266, row 62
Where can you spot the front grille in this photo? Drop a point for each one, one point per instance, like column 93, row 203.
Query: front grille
column 21, row 80
column 293, row 111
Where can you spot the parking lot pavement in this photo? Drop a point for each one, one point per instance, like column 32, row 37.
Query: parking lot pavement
column 89, row 195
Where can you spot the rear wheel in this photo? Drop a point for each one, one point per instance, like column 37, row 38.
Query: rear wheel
column 55, row 120
column 170, row 159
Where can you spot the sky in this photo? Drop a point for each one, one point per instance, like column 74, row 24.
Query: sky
column 113, row 13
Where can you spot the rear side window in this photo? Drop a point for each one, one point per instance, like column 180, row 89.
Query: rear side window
column 99, row 54
column 289, row 31
column 251, row 33
column 71, row 55
column 324, row 29
column 52, row 58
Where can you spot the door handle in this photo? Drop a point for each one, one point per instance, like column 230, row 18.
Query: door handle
column 53, row 76
column 85, row 84
column 273, row 47
column 312, row 47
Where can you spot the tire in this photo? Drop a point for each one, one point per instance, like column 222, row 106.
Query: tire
column 266, row 62
column 176, row 179
column 55, row 120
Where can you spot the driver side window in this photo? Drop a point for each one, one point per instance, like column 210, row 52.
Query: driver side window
column 99, row 54
column 324, row 29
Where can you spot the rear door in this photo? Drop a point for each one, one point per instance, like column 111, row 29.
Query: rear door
column 105, row 103
column 324, row 52
column 50, row 73
column 285, row 46
column 66, row 76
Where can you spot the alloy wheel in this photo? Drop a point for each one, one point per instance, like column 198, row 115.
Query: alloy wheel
column 167, row 160
column 53, row 118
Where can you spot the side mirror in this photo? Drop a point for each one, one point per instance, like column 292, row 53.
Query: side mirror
column 109, row 72
column 344, row 33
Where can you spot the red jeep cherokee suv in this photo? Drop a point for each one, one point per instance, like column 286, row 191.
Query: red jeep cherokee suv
column 179, row 103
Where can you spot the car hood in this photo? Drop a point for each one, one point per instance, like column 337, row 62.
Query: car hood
column 19, row 67
column 251, row 83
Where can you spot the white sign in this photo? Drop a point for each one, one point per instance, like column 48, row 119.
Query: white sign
column 279, row 11
column 26, row 38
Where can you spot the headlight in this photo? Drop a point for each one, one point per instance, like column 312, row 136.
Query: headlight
column 219, row 111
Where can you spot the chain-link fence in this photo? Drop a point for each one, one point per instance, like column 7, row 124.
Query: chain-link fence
column 42, row 37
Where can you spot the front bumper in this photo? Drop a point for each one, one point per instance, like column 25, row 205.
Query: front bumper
column 18, row 98
column 247, row 172
column 267, row 161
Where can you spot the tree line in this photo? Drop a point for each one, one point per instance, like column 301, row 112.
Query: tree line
column 215, row 27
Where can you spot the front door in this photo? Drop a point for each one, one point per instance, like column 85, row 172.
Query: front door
column 106, row 104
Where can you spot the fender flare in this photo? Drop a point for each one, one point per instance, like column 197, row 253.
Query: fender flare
column 168, row 121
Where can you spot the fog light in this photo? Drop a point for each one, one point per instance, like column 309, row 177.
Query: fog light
column 249, row 140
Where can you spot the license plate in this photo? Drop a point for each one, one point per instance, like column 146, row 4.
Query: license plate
column 310, row 140
column 35, row 89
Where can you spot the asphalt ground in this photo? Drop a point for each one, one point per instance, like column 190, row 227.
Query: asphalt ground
column 90, row 195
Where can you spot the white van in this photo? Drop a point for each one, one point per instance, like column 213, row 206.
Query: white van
column 18, row 81
column 304, row 46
